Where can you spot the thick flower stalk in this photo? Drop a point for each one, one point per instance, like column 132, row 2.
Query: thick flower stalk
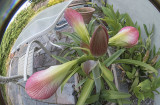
column 43, row 84
column 99, row 41
column 126, row 37
column 75, row 19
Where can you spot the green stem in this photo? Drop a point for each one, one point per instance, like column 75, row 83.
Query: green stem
column 85, row 58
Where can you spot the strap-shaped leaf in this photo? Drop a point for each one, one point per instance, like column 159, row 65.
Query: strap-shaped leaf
column 123, row 101
column 92, row 99
column 91, row 26
column 97, row 78
column 65, row 81
column 112, row 87
column 81, row 83
column 73, row 36
column 111, row 94
column 60, row 59
column 106, row 72
column 112, row 58
column 86, row 91
column 139, row 63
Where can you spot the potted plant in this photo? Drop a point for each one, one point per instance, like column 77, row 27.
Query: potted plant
column 86, row 13
column 89, row 58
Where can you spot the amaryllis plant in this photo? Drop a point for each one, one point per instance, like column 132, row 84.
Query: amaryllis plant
column 90, row 60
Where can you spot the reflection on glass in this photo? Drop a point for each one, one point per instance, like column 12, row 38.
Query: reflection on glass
column 6, row 7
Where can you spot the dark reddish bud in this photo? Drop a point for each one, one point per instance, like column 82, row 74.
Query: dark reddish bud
column 99, row 41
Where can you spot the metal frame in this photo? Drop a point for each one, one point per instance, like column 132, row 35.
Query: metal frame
column 45, row 31
column 27, row 53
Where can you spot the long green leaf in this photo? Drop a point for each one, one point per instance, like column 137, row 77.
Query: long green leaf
column 112, row 87
column 112, row 58
column 134, row 84
column 73, row 36
column 86, row 91
column 60, row 59
column 139, row 63
column 129, row 21
column 97, row 78
column 146, row 30
column 109, row 12
column 106, row 72
column 91, row 27
column 110, row 84
column 65, row 81
column 111, row 94
column 92, row 99
column 85, row 49
column 81, row 83
column 124, row 101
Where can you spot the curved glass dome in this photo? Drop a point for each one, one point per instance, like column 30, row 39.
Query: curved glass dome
column 7, row 9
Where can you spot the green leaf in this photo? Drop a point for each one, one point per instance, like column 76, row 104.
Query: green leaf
column 112, row 58
column 156, row 83
column 129, row 21
column 145, row 85
column 114, row 26
column 66, row 79
column 129, row 75
column 80, row 53
column 81, row 83
column 146, row 30
column 86, row 91
column 106, row 72
column 81, row 49
column 92, row 99
column 126, row 102
column 110, row 83
column 154, row 50
column 123, row 101
column 91, row 27
column 135, row 83
column 108, row 12
column 126, row 67
column 150, row 69
column 138, row 94
column 149, row 94
column 60, row 59
column 73, row 36
column 153, row 26
column 97, row 78
column 111, row 94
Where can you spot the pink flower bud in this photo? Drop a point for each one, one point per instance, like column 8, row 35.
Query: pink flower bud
column 43, row 84
column 75, row 19
column 126, row 37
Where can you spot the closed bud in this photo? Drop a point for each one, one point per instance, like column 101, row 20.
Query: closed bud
column 99, row 41
column 126, row 37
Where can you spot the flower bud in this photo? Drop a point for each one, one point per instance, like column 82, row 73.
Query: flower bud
column 75, row 19
column 43, row 84
column 126, row 37
column 99, row 41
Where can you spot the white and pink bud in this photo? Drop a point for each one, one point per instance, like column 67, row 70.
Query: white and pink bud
column 126, row 37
